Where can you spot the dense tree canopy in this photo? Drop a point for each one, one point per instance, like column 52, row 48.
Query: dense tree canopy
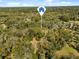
column 22, row 38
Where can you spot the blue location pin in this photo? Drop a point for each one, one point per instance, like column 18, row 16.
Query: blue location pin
column 41, row 10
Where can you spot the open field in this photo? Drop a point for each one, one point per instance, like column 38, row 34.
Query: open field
column 22, row 38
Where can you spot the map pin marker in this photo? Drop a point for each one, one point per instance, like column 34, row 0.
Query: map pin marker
column 41, row 10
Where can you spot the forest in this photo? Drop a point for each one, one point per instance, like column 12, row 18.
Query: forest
column 21, row 36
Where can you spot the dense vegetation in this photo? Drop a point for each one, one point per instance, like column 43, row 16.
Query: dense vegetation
column 22, row 38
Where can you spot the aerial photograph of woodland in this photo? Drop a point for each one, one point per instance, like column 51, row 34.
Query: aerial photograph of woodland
column 21, row 36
